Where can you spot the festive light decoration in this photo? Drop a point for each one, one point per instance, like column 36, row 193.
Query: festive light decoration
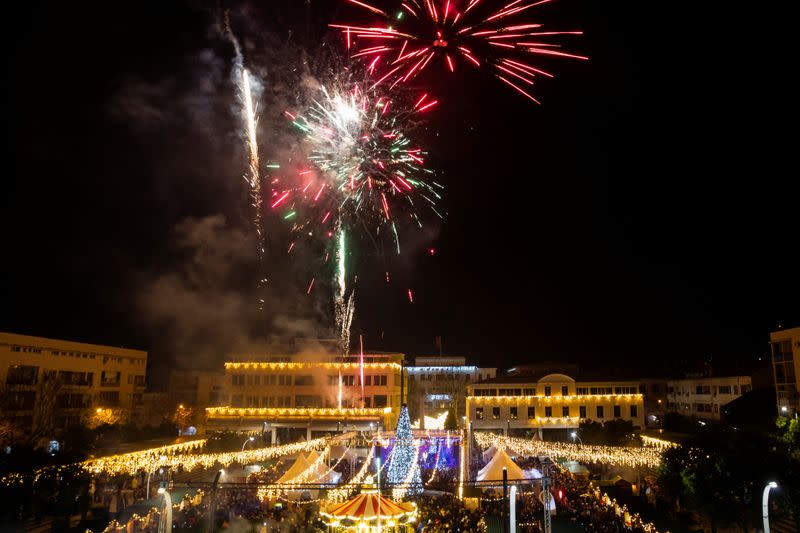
column 297, row 412
column 340, row 494
column 300, row 366
column 404, row 469
column 369, row 511
column 439, row 397
column 454, row 369
column 556, row 399
column 614, row 455
column 461, row 466
column 657, row 443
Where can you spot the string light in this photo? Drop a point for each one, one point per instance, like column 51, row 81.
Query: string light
column 555, row 399
column 658, row 443
column 300, row 366
column 298, row 412
column 614, row 455
column 340, row 494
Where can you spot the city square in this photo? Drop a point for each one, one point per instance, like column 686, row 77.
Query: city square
column 401, row 266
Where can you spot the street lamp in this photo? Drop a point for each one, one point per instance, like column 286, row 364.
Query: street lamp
column 250, row 439
column 764, row 506
column 574, row 436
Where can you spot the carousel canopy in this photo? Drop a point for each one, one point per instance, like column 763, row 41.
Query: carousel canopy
column 366, row 506
column 493, row 471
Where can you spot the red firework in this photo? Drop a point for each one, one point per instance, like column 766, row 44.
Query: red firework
column 415, row 32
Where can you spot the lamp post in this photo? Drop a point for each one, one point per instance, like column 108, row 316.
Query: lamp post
column 250, row 439
column 378, row 474
column 765, row 505
column 575, row 435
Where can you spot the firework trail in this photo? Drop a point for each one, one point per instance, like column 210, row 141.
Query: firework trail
column 343, row 307
column 253, row 177
column 414, row 32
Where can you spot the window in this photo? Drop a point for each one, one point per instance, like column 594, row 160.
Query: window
column 634, row 411
column 582, row 391
column 736, row 389
column 380, row 381
column 565, row 411
column 617, row 411
column 547, row 390
column 601, row 390
column 479, row 413
column 349, row 381
column 22, row 375
column 307, row 401
column 512, row 413
column 724, row 389
column 237, row 379
column 109, row 398
column 745, row 389
column 600, row 413
column 368, row 380
column 304, row 380
column 495, row 413
column 379, row 400
column 564, row 390
column 582, row 411
column 529, row 392
column 548, row 411
column 236, row 400
column 531, row 412
column 485, row 392
column 509, row 392
column 627, row 390
column 110, row 379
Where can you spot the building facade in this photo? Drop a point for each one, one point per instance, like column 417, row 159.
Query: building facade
column 704, row 397
column 554, row 403
column 292, row 396
column 197, row 388
column 785, row 354
column 654, row 393
column 71, row 379
column 439, row 383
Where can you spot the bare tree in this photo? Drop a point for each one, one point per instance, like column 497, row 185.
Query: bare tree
column 44, row 410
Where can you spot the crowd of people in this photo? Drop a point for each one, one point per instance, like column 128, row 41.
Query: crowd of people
column 446, row 513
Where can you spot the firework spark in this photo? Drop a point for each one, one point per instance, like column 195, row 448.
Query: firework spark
column 344, row 308
column 414, row 32
column 366, row 168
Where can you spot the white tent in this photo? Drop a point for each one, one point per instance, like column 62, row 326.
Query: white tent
column 299, row 466
column 489, row 452
column 493, row 471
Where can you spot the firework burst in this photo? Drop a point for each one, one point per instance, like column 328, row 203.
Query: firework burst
column 364, row 167
column 476, row 33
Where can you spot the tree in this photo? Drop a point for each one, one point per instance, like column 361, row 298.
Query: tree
column 44, row 410
column 451, row 422
column 404, row 454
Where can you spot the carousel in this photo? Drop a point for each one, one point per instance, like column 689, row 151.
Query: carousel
column 370, row 512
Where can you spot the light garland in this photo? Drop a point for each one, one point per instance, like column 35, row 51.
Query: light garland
column 297, row 412
column 616, row 455
column 309, row 365
column 556, row 399
column 455, row 369
column 309, row 475
column 340, row 494
column 658, row 443
column 628, row 518
column 124, row 464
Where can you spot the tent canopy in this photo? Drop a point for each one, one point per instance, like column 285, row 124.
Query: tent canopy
column 299, row 466
column 368, row 506
column 493, row 471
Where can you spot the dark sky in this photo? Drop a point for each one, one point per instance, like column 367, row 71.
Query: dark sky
column 645, row 216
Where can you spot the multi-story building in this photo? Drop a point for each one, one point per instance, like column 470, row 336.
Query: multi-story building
column 785, row 351
column 197, row 388
column 553, row 403
column 68, row 378
column 300, row 395
column 654, row 393
column 703, row 397
column 439, row 383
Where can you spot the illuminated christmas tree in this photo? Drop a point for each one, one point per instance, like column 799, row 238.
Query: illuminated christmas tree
column 404, row 468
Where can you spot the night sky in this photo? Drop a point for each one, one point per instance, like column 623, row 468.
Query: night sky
column 644, row 217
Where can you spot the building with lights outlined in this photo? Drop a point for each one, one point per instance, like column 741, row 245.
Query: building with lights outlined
column 293, row 396
column 553, row 403
column 439, row 383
